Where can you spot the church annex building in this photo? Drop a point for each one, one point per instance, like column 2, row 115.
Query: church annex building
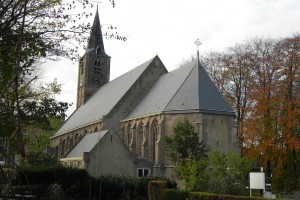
column 119, row 125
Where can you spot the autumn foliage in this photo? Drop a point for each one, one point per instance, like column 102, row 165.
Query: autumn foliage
column 261, row 80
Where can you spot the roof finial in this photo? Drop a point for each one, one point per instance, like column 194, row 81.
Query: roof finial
column 97, row 3
column 198, row 43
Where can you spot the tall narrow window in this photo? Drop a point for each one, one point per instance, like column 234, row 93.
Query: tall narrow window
column 141, row 132
column 154, row 138
column 71, row 142
column 129, row 138
column 68, row 144
column 62, row 147
column 97, row 68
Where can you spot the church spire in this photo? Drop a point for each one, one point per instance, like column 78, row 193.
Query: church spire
column 95, row 40
column 94, row 66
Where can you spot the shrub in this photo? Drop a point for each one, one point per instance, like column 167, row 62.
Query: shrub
column 173, row 194
column 208, row 196
column 287, row 182
column 155, row 188
column 76, row 184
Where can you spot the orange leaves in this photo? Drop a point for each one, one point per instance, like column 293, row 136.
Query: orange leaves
column 264, row 88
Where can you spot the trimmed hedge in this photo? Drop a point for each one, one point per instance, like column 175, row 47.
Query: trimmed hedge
column 173, row 194
column 155, row 188
column 76, row 184
column 183, row 195
column 208, row 196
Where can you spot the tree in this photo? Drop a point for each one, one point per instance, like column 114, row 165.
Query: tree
column 37, row 140
column 30, row 31
column 228, row 173
column 184, row 144
column 219, row 173
column 231, row 72
column 260, row 79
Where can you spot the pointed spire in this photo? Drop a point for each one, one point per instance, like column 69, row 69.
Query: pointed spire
column 95, row 40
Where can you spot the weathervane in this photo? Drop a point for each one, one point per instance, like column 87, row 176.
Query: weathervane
column 198, row 43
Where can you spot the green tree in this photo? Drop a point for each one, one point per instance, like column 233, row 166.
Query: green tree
column 218, row 173
column 228, row 173
column 184, row 144
column 31, row 31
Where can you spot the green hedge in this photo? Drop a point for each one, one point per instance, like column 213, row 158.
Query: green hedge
column 183, row 195
column 77, row 184
column 173, row 194
column 208, row 196
column 155, row 188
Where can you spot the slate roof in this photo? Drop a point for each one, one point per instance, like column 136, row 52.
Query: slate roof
column 86, row 144
column 186, row 89
column 103, row 101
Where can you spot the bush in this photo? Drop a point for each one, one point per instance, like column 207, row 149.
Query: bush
column 208, row 196
column 76, row 184
column 155, row 188
column 287, row 182
column 173, row 194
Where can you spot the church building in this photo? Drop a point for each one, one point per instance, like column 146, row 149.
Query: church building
column 119, row 125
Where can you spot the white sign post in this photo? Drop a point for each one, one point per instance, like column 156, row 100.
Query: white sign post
column 257, row 181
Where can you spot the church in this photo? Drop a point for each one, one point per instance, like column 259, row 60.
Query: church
column 119, row 125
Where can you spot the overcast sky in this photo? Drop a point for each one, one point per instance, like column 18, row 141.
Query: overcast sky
column 169, row 29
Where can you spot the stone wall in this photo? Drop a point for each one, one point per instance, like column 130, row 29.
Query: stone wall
column 110, row 156
column 216, row 131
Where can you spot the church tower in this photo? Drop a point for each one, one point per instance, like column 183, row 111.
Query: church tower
column 94, row 65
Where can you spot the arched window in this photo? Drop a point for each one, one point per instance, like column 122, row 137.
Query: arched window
column 71, row 143
column 97, row 68
column 96, row 129
column 141, row 137
column 154, row 132
column 62, row 147
column 76, row 137
column 129, row 136
column 68, row 143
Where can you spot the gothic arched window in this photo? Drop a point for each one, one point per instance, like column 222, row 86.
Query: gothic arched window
column 154, row 132
column 141, row 137
column 62, row 147
column 128, row 135
column 68, row 144
column 71, row 142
